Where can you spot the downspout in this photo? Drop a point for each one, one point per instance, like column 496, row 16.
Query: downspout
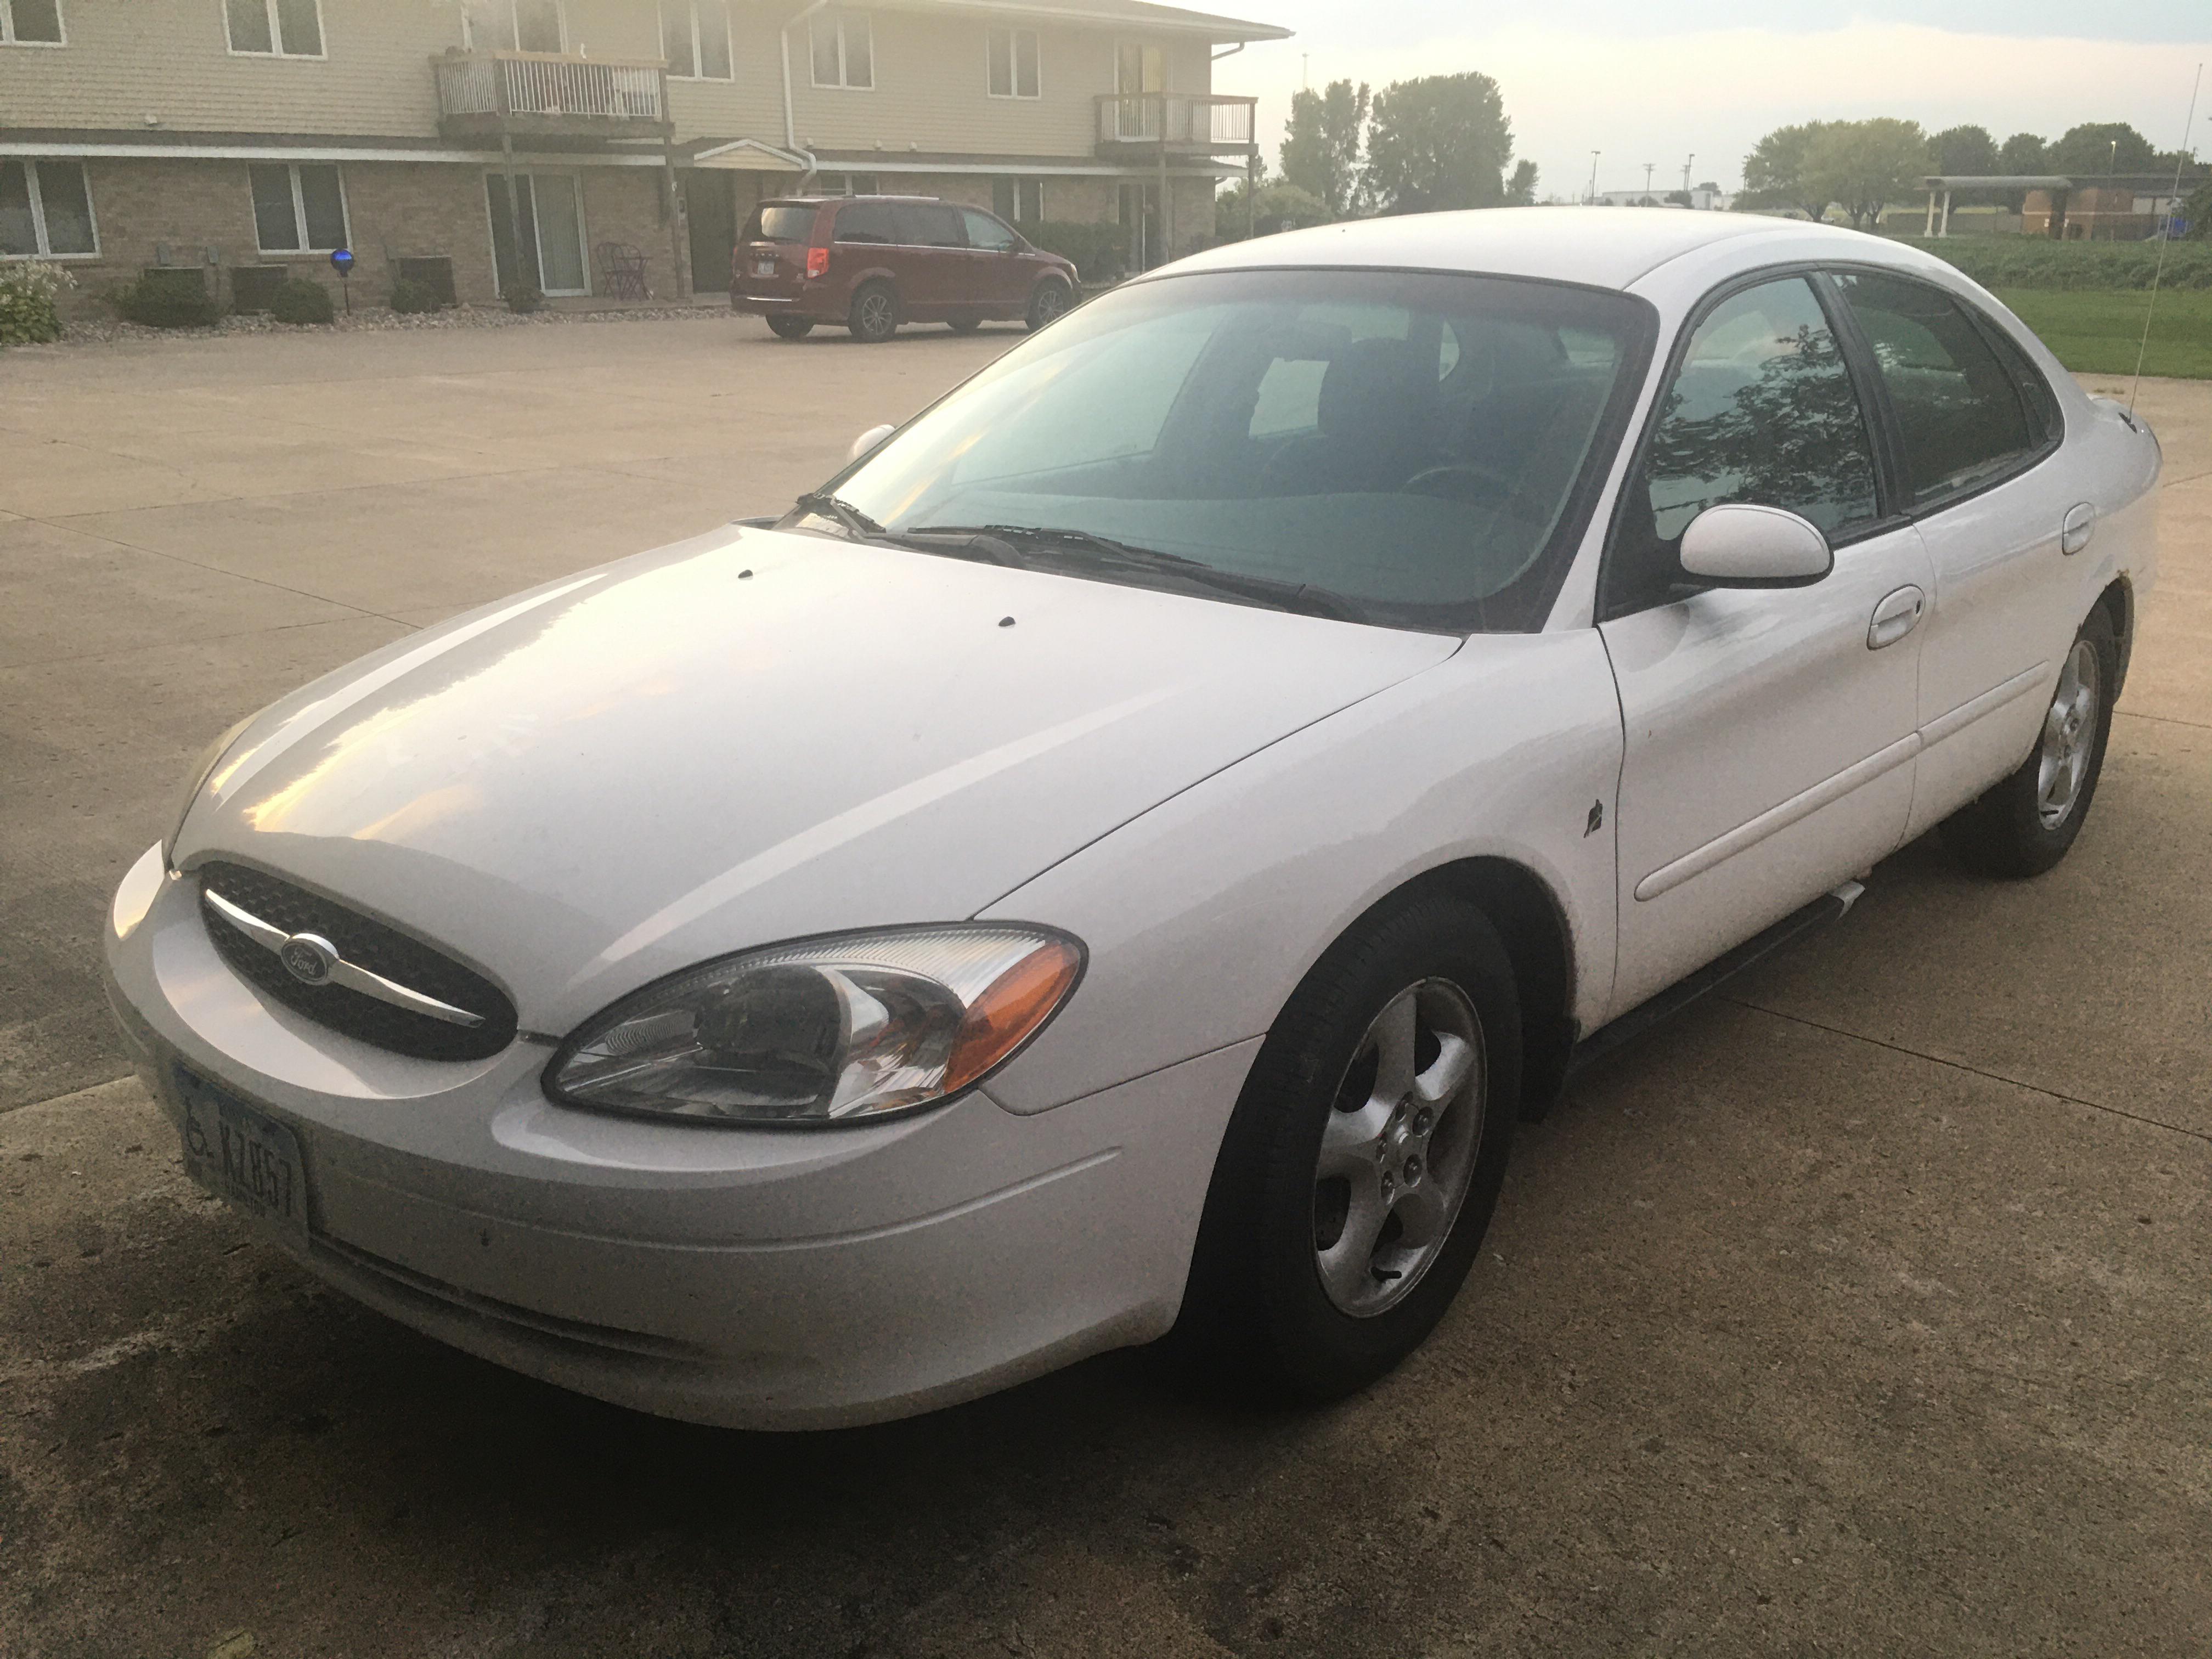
column 790, row 120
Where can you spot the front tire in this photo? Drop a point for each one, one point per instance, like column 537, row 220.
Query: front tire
column 1363, row 1158
column 2024, row 825
column 1049, row 300
column 874, row 316
column 790, row 328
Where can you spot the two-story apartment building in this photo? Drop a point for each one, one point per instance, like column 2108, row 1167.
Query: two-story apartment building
column 541, row 143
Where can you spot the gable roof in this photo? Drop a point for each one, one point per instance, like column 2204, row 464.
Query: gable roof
column 1115, row 14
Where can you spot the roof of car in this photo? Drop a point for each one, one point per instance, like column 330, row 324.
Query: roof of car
column 824, row 200
column 1600, row 246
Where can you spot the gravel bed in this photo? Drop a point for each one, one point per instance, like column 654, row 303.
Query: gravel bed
column 380, row 318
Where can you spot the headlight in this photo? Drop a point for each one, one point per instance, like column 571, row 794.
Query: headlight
column 201, row 774
column 826, row 1030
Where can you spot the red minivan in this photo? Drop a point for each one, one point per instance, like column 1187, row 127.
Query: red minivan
column 873, row 262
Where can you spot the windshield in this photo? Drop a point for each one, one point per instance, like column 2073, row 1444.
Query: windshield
column 1415, row 447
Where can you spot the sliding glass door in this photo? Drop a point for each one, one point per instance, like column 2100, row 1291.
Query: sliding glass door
column 551, row 221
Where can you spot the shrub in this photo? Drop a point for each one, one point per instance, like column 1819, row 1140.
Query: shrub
column 2037, row 262
column 167, row 298
column 523, row 298
column 1101, row 252
column 413, row 299
column 299, row 300
column 28, row 313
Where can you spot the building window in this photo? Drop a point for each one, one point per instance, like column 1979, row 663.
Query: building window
column 512, row 26
column 1019, row 201
column 1012, row 54
column 844, row 50
column 46, row 210
column 31, row 23
column 846, row 183
column 274, row 28
column 695, row 39
column 298, row 207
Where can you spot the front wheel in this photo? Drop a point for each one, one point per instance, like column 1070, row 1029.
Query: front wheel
column 1050, row 300
column 2024, row 825
column 1363, row 1158
column 790, row 328
column 874, row 316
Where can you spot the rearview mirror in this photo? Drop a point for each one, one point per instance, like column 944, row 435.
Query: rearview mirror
column 868, row 440
column 1737, row 545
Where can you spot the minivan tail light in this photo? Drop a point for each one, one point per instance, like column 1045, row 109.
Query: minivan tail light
column 817, row 262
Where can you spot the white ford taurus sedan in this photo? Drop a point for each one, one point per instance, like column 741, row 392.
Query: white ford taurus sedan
column 1124, row 855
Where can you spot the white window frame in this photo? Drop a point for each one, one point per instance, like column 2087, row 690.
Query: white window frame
column 698, row 40
column 1013, row 39
column 300, row 207
column 277, row 37
column 841, row 21
column 574, row 181
column 38, row 209
column 7, row 26
column 513, row 25
column 1020, row 184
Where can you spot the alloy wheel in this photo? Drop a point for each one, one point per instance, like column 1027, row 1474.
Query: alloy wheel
column 2069, row 737
column 1399, row 1149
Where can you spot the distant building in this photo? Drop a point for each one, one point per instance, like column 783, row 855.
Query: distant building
column 2112, row 207
column 1704, row 198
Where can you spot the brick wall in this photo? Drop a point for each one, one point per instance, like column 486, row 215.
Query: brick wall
column 622, row 205
column 401, row 210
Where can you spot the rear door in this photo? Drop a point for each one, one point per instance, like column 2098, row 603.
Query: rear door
column 770, row 259
column 1769, row 739
column 999, row 272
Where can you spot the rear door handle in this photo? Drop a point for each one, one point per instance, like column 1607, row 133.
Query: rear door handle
column 1896, row 617
column 2081, row 524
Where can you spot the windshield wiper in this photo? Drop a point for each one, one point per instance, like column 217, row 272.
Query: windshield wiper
column 856, row 523
column 1301, row 598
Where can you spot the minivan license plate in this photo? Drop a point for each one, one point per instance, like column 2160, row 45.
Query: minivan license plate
column 764, row 267
column 243, row 1157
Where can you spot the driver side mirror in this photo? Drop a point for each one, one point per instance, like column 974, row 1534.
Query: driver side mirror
column 1738, row 544
column 867, row 440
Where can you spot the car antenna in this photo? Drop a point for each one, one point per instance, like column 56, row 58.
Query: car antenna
column 2165, row 235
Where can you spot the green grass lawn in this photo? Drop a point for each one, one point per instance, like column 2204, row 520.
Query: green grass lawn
column 2096, row 332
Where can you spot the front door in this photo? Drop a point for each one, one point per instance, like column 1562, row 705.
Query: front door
column 1140, row 220
column 1139, row 70
column 709, row 206
column 999, row 276
column 551, row 221
column 1769, row 742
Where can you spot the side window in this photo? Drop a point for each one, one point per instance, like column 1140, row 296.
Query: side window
column 1958, row 408
column 985, row 232
column 920, row 226
column 866, row 221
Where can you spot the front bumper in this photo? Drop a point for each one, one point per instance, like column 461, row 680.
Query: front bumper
column 751, row 1277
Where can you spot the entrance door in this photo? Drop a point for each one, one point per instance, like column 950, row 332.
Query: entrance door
column 1139, row 68
column 1770, row 733
column 1140, row 219
column 551, row 221
column 708, row 203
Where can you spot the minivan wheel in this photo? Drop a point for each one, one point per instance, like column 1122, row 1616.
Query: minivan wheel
column 1051, row 298
column 1363, row 1160
column 874, row 316
column 2024, row 825
column 790, row 328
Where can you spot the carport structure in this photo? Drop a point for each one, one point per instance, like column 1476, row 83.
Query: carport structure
column 1943, row 185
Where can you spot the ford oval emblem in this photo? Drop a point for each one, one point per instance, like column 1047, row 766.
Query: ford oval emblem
column 308, row 958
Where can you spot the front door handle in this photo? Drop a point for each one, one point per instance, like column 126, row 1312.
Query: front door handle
column 2080, row 523
column 1896, row 617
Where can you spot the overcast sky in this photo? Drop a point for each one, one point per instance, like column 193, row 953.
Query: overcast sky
column 1641, row 81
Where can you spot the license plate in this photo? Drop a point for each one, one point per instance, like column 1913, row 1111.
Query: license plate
column 243, row 1157
column 764, row 267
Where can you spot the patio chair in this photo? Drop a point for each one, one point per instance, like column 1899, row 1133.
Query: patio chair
column 621, row 271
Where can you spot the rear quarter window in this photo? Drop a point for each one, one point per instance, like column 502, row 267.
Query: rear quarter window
column 781, row 224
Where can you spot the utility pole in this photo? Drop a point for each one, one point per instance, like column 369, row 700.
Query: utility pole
column 1592, row 196
column 1305, row 71
column 1691, row 162
column 1648, row 165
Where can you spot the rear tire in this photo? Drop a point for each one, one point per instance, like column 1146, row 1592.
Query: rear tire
column 874, row 316
column 1048, row 300
column 790, row 328
column 1363, row 1158
column 2024, row 825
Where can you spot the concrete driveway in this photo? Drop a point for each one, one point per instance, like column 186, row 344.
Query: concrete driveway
column 1866, row 1310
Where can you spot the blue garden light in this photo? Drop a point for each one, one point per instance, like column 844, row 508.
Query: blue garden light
column 341, row 262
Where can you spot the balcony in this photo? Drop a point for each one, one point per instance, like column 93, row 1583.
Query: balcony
column 542, row 95
column 1148, row 125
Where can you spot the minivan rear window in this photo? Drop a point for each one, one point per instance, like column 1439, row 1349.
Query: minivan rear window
column 781, row 224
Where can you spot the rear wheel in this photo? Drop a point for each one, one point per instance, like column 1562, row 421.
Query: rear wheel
column 2024, row 825
column 1050, row 299
column 874, row 316
column 790, row 328
column 1363, row 1159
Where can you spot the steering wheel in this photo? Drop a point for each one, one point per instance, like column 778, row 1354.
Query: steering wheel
column 1475, row 486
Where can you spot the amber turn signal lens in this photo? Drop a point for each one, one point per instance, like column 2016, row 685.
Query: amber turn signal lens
column 1014, row 1005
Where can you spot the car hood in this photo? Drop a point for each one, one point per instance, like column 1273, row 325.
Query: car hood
column 754, row 736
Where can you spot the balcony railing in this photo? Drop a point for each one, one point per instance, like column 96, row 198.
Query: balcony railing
column 538, row 92
column 1198, row 124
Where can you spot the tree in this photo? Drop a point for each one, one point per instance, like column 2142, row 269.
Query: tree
column 1681, row 198
column 2103, row 146
column 2023, row 153
column 1274, row 207
column 1521, row 189
column 1774, row 172
column 2198, row 212
column 1439, row 141
column 1321, row 143
column 1862, row 166
column 1964, row 151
